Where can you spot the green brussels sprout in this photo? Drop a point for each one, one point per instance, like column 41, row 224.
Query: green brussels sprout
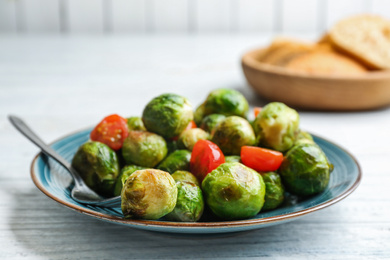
column 178, row 160
column 148, row 194
column 167, row 115
column 185, row 176
column 211, row 121
column 98, row 166
column 199, row 114
column 233, row 133
column 232, row 158
column 189, row 206
column 234, row 191
column 274, row 191
column 135, row 123
column 144, row 149
column 189, row 137
column 304, row 137
column 228, row 102
column 123, row 175
column 305, row 170
column 276, row 126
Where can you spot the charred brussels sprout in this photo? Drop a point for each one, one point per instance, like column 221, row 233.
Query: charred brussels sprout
column 178, row 160
column 135, row 123
column 274, row 191
column 189, row 206
column 232, row 158
column 234, row 191
column 167, row 115
column 305, row 170
column 98, row 166
column 124, row 174
column 228, row 102
column 276, row 126
column 211, row 121
column 144, row 149
column 185, row 176
column 233, row 133
column 148, row 194
column 189, row 137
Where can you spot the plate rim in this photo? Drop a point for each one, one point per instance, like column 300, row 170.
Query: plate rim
column 195, row 225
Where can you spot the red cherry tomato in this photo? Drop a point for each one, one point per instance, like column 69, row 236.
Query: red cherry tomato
column 112, row 131
column 257, row 110
column 190, row 125
column 205, row 157
column 261, row 159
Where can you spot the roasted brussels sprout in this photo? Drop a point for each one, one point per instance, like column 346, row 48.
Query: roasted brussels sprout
column 305, row 169
column 234, row 191
column 276, row 126
column 232, row 158
column 185, row 176
column 304, row 137
column 211, row 121
column 189, row 206
column 199, row 114
column 189, row 137
column 274, row 191
column 124, row 174
column 233, row 133
column 135, row 123
column 228, row 102
column 178, row 160
column 144, row 149
column 98, row 166
column 148, row 194
column 167, row 115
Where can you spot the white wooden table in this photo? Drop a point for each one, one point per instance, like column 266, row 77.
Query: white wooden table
column 60, row 84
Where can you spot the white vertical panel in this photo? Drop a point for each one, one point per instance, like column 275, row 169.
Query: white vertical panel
column 338, row 9
column 42, row 15
column 381, row 7
column 255, row 15
column 212, row 16
column 299, row 15
column 7, row 16
column 128, row 15
column 85, row 16
column 170, row 15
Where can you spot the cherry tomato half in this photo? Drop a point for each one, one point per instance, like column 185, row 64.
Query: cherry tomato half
column 257, row 110
column 205, row 157
column 112, row 131
column 261, row 159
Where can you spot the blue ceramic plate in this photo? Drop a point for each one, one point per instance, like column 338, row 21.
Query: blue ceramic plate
column 55, row 182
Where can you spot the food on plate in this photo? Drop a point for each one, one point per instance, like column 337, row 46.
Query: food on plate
column 122, row 177
column 274, row 191
column 177, row 160
column 167, row 115
column 98, row 166
column 232, row 133
column 209, row 122
column 189, row 137
column 234, row 191
column 144, row 149
column 185, row 176
column 148, row 194
column 305, row 169
column 135, row 123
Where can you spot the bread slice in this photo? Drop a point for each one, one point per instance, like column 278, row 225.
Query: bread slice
column 366, row 37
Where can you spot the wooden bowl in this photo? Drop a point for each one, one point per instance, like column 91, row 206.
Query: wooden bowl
column 315, row 92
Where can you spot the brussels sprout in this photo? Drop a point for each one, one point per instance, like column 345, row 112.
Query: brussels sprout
column 148, row 194
column 305, row 170
column 211, row 121
column 189, row 206
column 124, row 174
column 185, row 176
column 233, row 133
column 135, row 123
column 171, row 145
column 276, row 126
column 234, row 191
column 274, row 191
column 199, row 114
column 304, row 137
column 232, row 158
column 189, row 137
column 144, row 149
column 98, row 166
column 228, row 102
column 167, row 115
column 178, row 160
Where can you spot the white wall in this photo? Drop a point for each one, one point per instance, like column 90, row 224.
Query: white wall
column 179, row 16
